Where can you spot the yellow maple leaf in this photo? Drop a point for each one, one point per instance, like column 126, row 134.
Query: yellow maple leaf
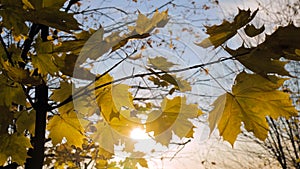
column 174, row 116
column 112, row 98
column 84, row 105
column 145, row 25
column 110, row 133
column 66, row 122
column 135, row 159
column 252, row 99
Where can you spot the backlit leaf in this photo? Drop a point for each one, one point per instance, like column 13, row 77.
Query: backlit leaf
column 145, row 25
column 66, row 64
column 260, row 61
column 112, row 98
column 12, row 18
column 265, row 58
column 252, row 31
column 218, row 34
column 84, row 106
column 133, row 161
column 66, row 122
column 49, row 16
column 252, row 99
column 160, row 63
column 110, row 133
column 174, row 116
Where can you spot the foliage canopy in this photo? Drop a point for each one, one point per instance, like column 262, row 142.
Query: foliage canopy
column 29, row 71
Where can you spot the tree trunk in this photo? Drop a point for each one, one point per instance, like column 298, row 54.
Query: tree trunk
column 41, row 106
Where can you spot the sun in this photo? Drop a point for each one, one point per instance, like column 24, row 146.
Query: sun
column 138, row 133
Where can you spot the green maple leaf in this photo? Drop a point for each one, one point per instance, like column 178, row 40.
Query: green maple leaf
column 218, row 34
column 14, row 146
column 66, row 125
column 252, row 99
column 174, row 116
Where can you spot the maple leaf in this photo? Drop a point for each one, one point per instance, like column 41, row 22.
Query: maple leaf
column 19, row 75
column 6, row 119
column 166, row 79
column 66, row 122
column 53, row 18
column 110, row 133
column 260, row 61
column 44, row 61
column 145, row 25
column 112, row 98
column 35, row 12
column 90, row 48
column 14, row 18
column 25, row 121
column 84, row 106
column 110, row 43
column 14, row 146
column 221, row 33
column 265, row 58
column 51, row 4
column 104, row 164
column 160, row 63
column 66, row 64
column 252, row 99
column 11, row 92
column 252, row 31
column 174, row 116
column 133, row 161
